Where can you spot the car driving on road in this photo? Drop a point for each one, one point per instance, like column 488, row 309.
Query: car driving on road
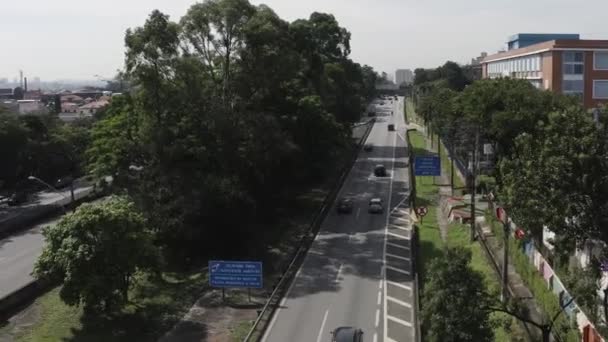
column 375, row 206
column 347, row 334
column 380, row 171
column 368, row 147
column 345, row 205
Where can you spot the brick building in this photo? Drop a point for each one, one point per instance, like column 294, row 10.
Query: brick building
column 570, row 66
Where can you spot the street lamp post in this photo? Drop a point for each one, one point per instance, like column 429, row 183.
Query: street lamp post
column 72, row 198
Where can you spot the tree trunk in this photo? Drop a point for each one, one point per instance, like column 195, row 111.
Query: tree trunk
column 546, row 334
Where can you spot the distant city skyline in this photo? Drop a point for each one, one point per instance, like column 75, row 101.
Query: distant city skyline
column 63, row 39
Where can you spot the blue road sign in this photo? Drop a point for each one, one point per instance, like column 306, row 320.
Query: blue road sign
column 427, row 166
column 235, row 274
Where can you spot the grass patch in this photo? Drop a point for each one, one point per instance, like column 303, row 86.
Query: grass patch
column 156, row 304
column 509, row 329
column 239, row 331
column 546, row 299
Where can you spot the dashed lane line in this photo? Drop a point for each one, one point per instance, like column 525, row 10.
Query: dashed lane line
column 322, row 326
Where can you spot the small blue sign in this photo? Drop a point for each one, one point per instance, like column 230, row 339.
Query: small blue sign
column 235, row 274
column 427, row 166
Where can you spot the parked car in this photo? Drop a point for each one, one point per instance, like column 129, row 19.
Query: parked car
column 391, row 127
column 375, row 206
column 18, row 198
column 368, row 147
column 345, row 205
column 347, row 334
column 380, row 171
column 371, row 114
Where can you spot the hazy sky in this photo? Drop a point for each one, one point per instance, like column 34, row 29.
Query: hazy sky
column 59, row 39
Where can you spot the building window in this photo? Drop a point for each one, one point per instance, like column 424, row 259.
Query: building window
column 573, row 73
column 600, row 60
column 600, row 89
column 573, row 86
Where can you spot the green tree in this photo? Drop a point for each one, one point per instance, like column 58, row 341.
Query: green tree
column 95, row 253
column 455, row 300
column 13, row 148
column 555, row 178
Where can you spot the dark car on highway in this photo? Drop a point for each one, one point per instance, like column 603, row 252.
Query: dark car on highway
column 368, row 147
column 371, row 114
column 391, row 127
column 345, row 205
column 347, row 334
column 64, row 182
column 380, row 171
column 375, row 206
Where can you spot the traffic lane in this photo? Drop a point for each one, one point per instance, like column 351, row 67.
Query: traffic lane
column 18, row 254
column 305, row 309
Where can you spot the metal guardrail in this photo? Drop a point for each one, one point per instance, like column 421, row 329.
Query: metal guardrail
column 305, row 243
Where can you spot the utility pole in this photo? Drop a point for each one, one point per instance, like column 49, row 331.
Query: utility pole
column 473, row 183
column 505, row 258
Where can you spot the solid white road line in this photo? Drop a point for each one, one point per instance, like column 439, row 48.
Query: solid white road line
column 397, row 246
column 377, row 317
column 397, row 320
column 397, row 257
column 390, row 192
column 400, row 285
column 400, row 302
column 322, row 326
column 375, row 339
column 379, row 297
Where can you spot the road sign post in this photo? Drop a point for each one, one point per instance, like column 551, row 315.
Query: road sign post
column 241, row 274
column 427, row 166
column 422, row 211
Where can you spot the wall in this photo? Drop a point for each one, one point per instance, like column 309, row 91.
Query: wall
column 547, row 70
column 590, row 75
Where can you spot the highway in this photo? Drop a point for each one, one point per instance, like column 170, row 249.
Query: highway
column 358, row 270
column 18, row 254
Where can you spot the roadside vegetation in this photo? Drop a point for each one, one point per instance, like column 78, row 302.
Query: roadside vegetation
column 224, row 147
column 547, row 153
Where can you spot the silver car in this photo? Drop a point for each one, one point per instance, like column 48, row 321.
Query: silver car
column 347, row 334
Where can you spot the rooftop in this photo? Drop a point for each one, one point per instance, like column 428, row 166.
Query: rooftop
column 552, row 45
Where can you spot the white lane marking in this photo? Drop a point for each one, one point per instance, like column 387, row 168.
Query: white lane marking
column 407, row 229
column 388, row 339
column 358, row 212
column 397, row 257
column 379, row 297
column 390, row 192
column 375, row 339
column 276, row 314
column 397, row 269
column 339, row 271
column 399, row 285
column 322, row 326
column 380, row 284
column 400, row 302
column 398, row 236
column 406, row 220
column 397, row 246
column 397, row 320
column 377, row 317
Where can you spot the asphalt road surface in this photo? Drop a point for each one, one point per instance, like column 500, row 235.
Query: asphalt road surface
column 18, row 254
column 358, row 270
